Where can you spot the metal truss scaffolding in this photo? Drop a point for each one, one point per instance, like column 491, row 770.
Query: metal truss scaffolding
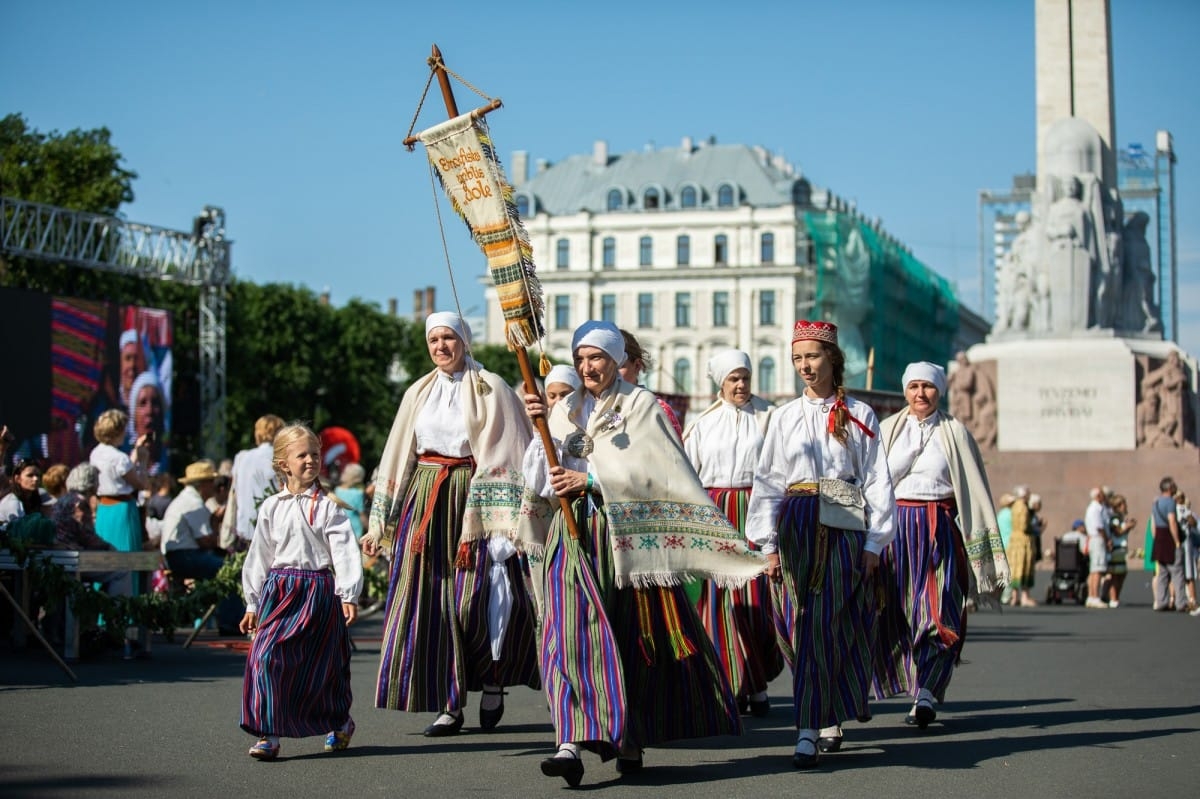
column 94, row 241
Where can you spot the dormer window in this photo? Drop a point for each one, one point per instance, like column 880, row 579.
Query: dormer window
column 523, row 205
column 688, row 197
column 615, row 201
column 651, row 200
column 725, row 196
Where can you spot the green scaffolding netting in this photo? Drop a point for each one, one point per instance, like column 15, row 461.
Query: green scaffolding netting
column 903, row 310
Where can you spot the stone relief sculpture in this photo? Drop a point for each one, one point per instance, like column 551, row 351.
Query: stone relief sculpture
column 1017, row 281
column 1071, row 257
column 1077, row 264
column 1160, row 419
column 1139, row 310
column 972, row 400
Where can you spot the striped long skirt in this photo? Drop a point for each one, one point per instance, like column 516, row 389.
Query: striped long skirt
column 740, row 621
column 435, row 639
column 623, row 667
column 297, row 679
column 825, row 616
column 921, row 623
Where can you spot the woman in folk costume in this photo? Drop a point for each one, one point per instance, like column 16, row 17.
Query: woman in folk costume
column 947, row 550
column 445, row 506
column 625, row 659
column 723, row 445
column 826, row 608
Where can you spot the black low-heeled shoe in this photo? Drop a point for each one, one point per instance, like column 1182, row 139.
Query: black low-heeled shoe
column 804, row 760
column 488, row 719
column 829, row 743
column 569, row 768
column 436, row 730
column 759, row 708
column 923, row 714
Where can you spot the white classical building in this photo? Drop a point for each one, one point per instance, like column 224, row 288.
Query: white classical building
column 693, row 249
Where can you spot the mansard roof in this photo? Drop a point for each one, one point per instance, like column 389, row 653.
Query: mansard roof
column 583, row 182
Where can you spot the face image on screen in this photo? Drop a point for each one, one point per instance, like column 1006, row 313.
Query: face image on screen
column 73, row 359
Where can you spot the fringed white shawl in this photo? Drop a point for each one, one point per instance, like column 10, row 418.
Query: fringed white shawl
column 663, row 527
column 498, row 431
column 973, row 498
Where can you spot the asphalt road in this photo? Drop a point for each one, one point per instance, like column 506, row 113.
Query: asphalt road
column 1053, row 701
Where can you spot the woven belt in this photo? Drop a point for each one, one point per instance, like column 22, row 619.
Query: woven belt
column 803, row 489
column 115, row 500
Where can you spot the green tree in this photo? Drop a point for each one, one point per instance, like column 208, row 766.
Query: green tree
column 80, row 169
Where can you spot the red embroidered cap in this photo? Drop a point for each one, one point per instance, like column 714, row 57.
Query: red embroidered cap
column 815, row 331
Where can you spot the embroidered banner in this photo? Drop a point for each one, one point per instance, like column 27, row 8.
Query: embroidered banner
column 461, row 153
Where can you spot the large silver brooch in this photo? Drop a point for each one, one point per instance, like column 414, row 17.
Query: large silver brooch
column 609, row 420
column 579, row 445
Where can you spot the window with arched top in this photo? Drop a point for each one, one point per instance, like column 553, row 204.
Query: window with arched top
column 688, row 197
column 608, row 253
column 615, row 200
column 645, row 251
column 683, row 250
column 721, row 250
column 522, row 205
column 725, row 196
column 683, row 376
column 651, row 199
column 767, row 248
column 764, row 380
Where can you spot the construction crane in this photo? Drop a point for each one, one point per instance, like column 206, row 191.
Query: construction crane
column 95, row 241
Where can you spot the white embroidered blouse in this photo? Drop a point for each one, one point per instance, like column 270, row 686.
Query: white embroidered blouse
column 291, row 533
column 799, row 449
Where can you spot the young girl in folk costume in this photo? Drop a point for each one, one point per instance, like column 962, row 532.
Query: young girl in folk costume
column 301, row 579
column 825, row 567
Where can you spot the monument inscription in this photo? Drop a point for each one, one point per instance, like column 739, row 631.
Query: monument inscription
column 1062, row 401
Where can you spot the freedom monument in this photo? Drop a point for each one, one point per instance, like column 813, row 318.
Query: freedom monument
column 1076, row 364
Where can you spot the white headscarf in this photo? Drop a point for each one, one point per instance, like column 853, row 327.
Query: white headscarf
column 562, row 373
column 929, row 372
column 451, row 320
column 602, row 335
column 726, row 361
column 129, row 336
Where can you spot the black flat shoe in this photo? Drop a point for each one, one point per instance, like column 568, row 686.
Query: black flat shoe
column 436, row 730
column 760, row 709
column 923, row 713
column 829, row 743
column 488, row 719
column 804, row 760
column 569, row 768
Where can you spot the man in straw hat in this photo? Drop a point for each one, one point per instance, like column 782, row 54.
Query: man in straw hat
column 188, row 541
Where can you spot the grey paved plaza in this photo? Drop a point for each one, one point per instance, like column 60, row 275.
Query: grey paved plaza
column 1054, row 701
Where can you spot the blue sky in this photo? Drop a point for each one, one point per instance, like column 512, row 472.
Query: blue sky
column 290, row 116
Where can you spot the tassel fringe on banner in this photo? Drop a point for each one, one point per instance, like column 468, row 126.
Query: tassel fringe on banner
column 465, row 161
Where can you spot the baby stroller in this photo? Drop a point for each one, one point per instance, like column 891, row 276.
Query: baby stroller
column 1070, row 574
